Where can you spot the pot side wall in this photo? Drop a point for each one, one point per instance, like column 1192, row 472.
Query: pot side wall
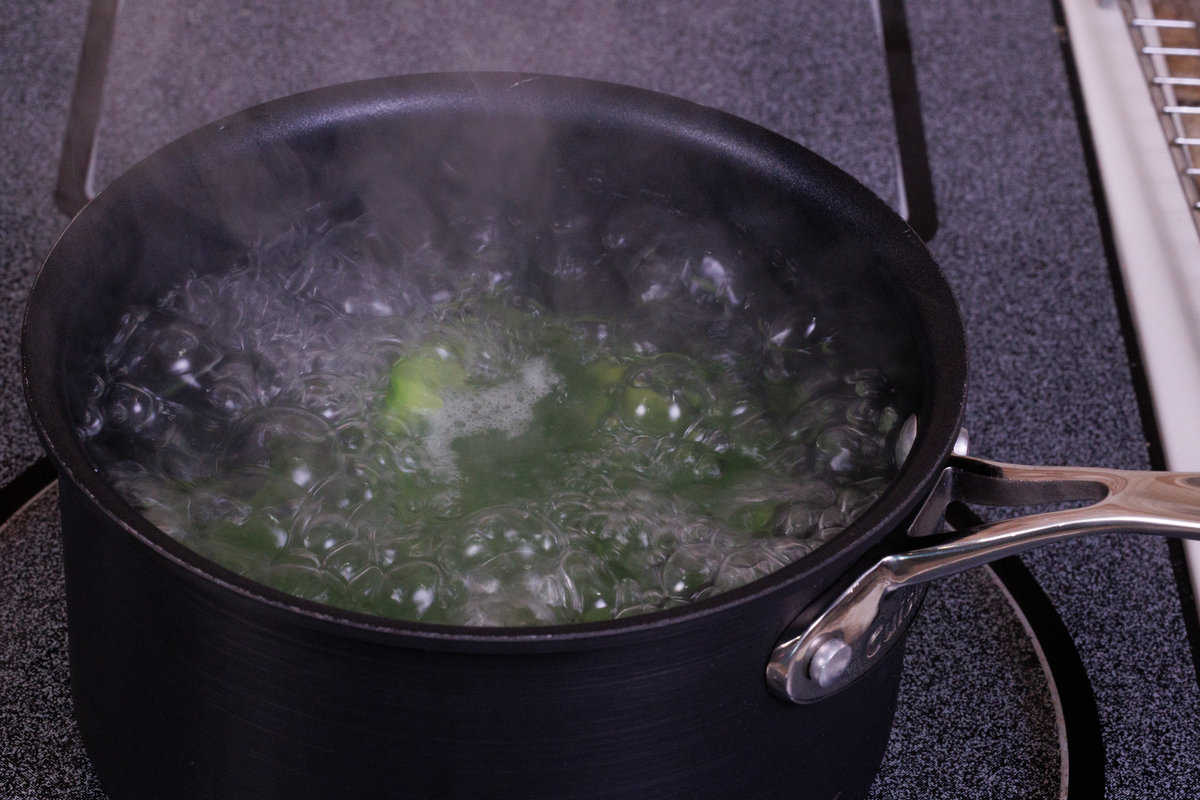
column 179, row 682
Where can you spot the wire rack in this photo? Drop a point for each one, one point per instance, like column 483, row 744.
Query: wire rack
column 1167, row 36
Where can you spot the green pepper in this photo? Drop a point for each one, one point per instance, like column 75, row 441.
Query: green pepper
column 754, row 517
column 605, row 372
column 417, row 382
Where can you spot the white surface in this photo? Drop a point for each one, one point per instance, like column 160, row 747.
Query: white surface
column 1157, row 244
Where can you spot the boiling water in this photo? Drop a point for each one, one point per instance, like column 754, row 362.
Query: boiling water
column 438, row 445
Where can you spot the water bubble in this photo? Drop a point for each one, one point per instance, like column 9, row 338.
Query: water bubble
column 708, row 278
column 182, row 464
column 116, row 359
column 595, row 459
column 339, row 494
column 181, row 349
column 329, row 396
column 261, row 535
column 279, row 436
column 411, row 590
column 868, row 383
column 133, row 409
column 797, row 520
column 690, row 569
column 207, row 507
column 240, row 382
column 363, row 587
column 354, row 436
column 348, row 559
column 588, row 585
column 742, row 565
column 322, row 534
column 91, row 423
column 835, row 448
column 310, row 583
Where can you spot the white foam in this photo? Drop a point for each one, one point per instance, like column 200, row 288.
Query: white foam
column 506, row 407
column 423, row 598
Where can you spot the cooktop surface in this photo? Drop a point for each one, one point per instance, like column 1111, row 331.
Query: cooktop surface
column 1019, row 235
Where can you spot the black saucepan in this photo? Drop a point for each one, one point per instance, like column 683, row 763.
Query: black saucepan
column 190, row 681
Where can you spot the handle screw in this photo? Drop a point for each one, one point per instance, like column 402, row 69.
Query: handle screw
column 829, row 662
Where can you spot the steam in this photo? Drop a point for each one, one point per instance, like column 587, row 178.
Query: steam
column 316, row 251
column 502, row 179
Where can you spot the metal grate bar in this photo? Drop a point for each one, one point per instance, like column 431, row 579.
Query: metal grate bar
column 1159, row 41
column 74, row 189
column 1171, row 51
column 918, row 203
column 1142, row 22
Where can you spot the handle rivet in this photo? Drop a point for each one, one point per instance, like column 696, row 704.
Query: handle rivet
column 829, row 662
column 962, row 445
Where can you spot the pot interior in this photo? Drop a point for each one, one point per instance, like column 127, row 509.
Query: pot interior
column 578, row 200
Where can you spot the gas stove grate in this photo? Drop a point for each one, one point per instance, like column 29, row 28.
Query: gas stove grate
column 1167, row 37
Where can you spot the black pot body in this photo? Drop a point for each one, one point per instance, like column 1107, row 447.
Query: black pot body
column 184, row 690
column 192, row 682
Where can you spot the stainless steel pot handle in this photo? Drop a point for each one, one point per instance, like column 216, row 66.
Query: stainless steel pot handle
column 846, row 638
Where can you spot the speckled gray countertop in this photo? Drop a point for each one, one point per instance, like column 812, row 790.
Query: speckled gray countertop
column 39, row 51
column 1019, row 241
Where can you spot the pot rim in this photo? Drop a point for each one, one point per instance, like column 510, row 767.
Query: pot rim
column 943, row 389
